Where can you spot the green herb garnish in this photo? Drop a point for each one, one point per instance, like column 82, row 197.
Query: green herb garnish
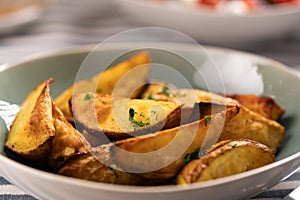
column 133, row 121
column 207, row 119
column 114, row 171
column 150, row 96
column 193, row 156
column 232, row 144
column 88, row 96
column 165, row 90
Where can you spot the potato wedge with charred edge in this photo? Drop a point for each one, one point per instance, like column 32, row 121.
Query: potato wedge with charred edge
column 106, row 81
column 266, row 106
column 160, row 155
column 119, row 118
column 95, row 166
column 251, row 125
column 167, row 92
column 67, row 141
column 187, row 98
column 247, row 124
column 227, row 158
column 32, row 131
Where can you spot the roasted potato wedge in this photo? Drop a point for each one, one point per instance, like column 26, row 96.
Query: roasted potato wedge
column 251, row 125
column 227, row 158
column 67, row 141
column 32, row 131
column 187, row 98
column 119, row 118
column 40, row 134
column 167, row 92
column 106, row 81
column 160, row 155
column 96, row 166
column 266, row 106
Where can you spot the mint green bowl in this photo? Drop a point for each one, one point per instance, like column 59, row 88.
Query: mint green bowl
column 233, row 72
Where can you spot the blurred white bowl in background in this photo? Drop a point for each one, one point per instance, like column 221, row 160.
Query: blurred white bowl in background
column 17, row 15
column 218, row 28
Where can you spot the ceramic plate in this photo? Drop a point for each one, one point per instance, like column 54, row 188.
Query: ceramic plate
column 239, row 73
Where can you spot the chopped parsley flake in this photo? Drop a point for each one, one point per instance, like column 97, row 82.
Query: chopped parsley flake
column 232, row 144
column 133, row 121
column 207, row 119
column 114, row 171
column 165, row 90
column 150, row 96
column 193, row 156
column 88, row 96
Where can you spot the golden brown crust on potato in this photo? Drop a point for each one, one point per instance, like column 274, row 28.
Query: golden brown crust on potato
column 228, row 158
column 31, row 133
column 67, row 141
column 95, row 166
column 250, row 125
column 263, row 105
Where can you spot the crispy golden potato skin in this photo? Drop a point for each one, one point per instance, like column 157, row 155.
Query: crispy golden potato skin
column 263, row 105
column 40, row 135
column 227, row 158
column 67, row 141
column 96, row 166
column 106, row 81
column 250, row 125
column 31, row 134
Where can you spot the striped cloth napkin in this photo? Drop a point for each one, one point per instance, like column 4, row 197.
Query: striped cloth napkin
column 67, row 24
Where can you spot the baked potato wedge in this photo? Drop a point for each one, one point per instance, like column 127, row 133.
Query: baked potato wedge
column 168, row 92
column 266, row 106
column 119, row 118
column 95, row 165
column 226, row 158
column 188, row 98
column 106, row 81
column 66, row 142
column 160, row 155
column 251, row 125
column 32, row 131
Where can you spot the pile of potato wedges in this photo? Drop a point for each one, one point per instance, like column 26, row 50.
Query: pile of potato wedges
column 136, row 131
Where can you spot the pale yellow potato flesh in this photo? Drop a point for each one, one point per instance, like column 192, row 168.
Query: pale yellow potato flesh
column 106, row 81
column 32, row 131
column 120, row 118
